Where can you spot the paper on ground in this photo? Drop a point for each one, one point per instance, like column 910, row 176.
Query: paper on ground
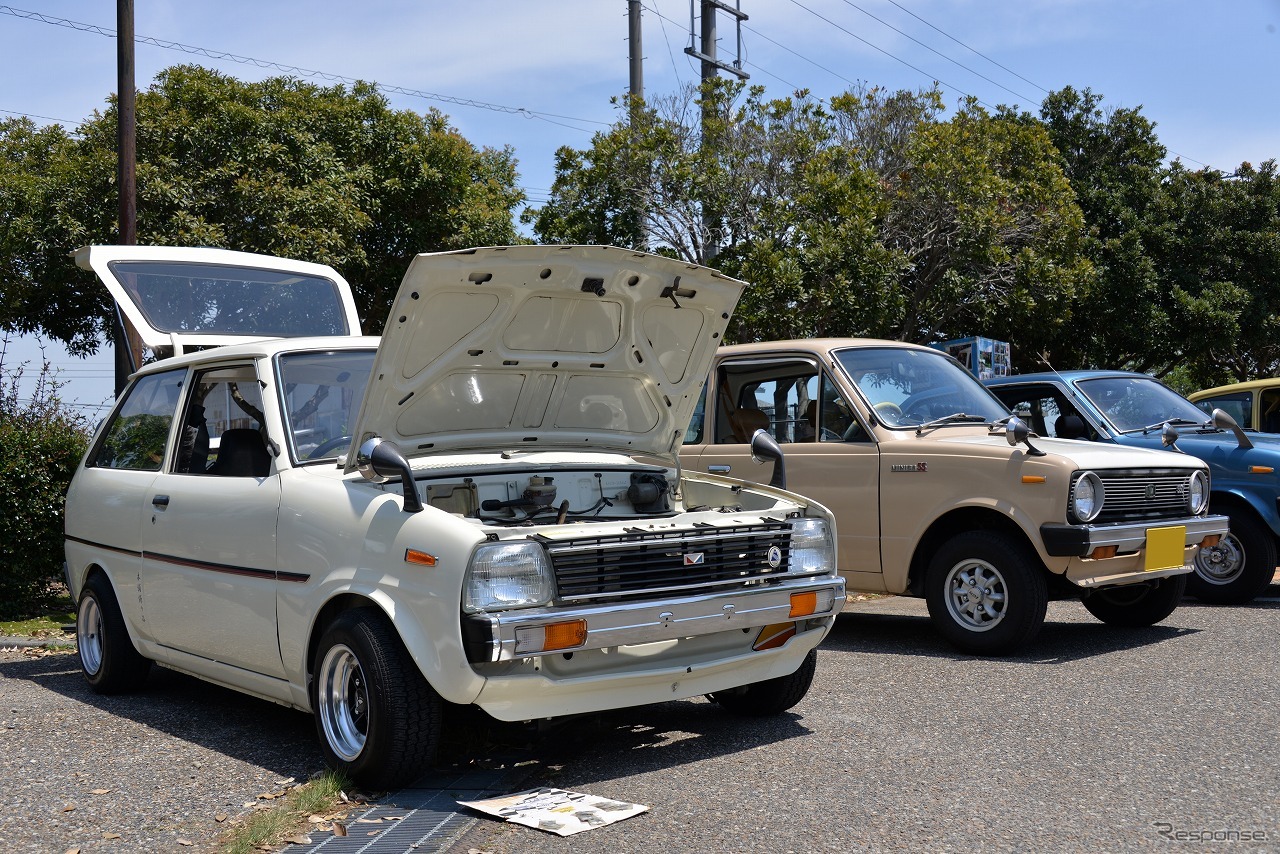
column 556, row 810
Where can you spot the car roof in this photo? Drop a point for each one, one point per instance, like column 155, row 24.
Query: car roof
column 1061, row 376
column 1247, row 385
column 261, row 348
column 816, row 345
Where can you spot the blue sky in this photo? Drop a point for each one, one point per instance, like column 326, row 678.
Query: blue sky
column 542, row 73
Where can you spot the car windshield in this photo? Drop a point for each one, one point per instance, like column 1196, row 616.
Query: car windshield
column 1135, row 403
column 321, row 395
column 909, row 387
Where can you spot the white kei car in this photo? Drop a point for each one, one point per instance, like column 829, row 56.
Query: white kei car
column 485, row 507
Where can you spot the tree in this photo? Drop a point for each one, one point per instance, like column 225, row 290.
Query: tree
column 865, row 216
column 1216, row 251
column 283, row 167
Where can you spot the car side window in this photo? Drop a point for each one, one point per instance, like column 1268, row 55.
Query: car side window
column 835, row 421
column 1047, row 411
column 222, row 425
column 136, row 436
column 779, row 405
column 1239, row 405
column 693, row 434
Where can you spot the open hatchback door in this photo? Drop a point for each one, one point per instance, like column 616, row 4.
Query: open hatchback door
column 180, row 299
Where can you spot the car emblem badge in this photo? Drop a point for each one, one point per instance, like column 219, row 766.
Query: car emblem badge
column 1151, row 491
column 694, row 558
column 775, row 557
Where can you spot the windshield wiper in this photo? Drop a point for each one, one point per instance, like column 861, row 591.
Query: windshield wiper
column 1159, row 425
column 953, row 418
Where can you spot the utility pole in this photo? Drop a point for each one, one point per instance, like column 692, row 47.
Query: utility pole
column 636, row 54
column 128, row 346
column 711, row 68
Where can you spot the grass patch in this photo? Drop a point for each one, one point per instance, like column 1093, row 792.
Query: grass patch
column 291, row 814
column 43, row 626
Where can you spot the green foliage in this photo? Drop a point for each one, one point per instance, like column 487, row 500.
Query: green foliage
column 867, row 215
column 41, row 443
column 283, row 167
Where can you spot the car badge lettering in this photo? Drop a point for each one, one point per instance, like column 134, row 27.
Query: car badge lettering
column 694, row 558
column 909, row 467
column 774, row 557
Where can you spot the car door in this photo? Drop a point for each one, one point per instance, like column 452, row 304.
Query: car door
column 209, row 569
column 829, row 455
column 110, row 499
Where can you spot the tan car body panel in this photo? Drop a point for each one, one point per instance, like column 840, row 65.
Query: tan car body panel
column 885, row 513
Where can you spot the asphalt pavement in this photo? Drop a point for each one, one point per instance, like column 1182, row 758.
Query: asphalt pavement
column 1095, row 738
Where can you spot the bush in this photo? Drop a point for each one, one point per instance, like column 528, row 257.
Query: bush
column 41, row 442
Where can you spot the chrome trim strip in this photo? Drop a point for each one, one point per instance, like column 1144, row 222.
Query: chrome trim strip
column 1132, row 536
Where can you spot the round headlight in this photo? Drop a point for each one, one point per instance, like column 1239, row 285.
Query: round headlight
column 1198, row 493
column 1087, row 497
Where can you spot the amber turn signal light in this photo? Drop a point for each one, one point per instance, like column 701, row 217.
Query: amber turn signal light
column 1103, row 552
column 1211, row 540
column 420, row 558
column 552, row 636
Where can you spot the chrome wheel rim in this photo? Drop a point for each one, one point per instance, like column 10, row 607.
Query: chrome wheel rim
column 89, row 635
column 976, row 594
column 343, row 702
column 1221, row 564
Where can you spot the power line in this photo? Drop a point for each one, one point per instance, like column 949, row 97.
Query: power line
column 305, row 72
column 958, row 64
column 890, row 55
column 967, row 47
column 38, row 116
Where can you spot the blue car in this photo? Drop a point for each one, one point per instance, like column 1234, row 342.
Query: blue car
column 1127, row 408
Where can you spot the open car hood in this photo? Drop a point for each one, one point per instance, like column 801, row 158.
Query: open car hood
column 182, row 298
column 531, row 347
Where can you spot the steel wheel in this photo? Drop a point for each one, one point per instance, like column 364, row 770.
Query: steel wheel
column 1221, row 564
column 343, row 702
column 976, row 595
column 89, row 635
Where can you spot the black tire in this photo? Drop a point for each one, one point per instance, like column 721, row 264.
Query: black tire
column 108, row 659
column 377, row 718
column 1137, row 605
column 772, row 696
column 986, row 592
column 1240, row 566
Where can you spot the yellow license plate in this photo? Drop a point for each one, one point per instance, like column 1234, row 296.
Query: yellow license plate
column 1166, row 547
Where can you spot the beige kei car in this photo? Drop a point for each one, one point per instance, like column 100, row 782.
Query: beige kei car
column 940, row 493
column 483, row 507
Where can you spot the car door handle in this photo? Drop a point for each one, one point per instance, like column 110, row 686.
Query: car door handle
column 719, row 469
column 160, row 501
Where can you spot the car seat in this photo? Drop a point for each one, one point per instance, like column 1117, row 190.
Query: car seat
column 1070, row 427
column 242, row 453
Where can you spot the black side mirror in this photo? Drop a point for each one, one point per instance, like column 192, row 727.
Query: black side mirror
column 379, row 461
column 765, row 448
column 1017, row 432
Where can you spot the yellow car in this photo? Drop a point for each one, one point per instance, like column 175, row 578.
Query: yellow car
column 1255, row 405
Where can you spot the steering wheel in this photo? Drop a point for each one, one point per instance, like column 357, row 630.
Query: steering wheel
column 889, row 409
column 332, row 444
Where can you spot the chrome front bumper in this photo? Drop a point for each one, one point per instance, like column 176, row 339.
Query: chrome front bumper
column 492, row 637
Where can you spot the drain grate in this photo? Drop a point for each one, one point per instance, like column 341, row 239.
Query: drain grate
column 429, row 819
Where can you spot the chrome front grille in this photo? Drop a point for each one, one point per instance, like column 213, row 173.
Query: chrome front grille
column 1139, row 494
column 643, row 563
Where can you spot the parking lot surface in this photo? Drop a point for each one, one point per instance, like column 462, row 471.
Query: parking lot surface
column 1095, row 738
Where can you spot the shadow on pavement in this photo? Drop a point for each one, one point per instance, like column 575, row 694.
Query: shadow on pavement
column 1057, row 642
column 280, row 740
